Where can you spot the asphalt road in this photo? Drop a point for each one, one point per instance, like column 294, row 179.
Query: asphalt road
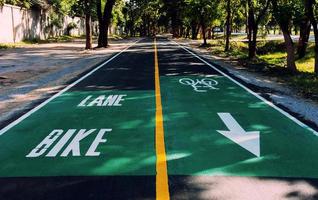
column 156, row 121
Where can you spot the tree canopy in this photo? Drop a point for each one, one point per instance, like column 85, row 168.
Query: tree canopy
column 194, row 18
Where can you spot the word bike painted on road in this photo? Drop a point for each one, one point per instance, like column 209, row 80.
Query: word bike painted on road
column 73, row 148
column 202, row 85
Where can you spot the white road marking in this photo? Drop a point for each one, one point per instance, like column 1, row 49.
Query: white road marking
column 253, row 93
column 202, row 85
column 23, row 117
column 74, row 146
column 249, row 140
column 102, row 100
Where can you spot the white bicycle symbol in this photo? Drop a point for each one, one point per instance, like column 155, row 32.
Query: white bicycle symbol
column 202, row 85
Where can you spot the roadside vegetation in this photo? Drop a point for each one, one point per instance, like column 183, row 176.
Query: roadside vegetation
column 63, row 38
column 271, row 61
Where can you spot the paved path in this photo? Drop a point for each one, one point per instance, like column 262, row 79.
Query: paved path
column 156, row 121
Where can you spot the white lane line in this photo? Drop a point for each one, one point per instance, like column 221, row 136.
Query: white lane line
column 23, row 117
column 250, row 91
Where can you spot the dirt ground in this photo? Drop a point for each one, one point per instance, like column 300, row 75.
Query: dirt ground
column 32, row 72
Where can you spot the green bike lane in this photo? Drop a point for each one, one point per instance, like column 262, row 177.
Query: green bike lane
column 214, row 127
column 101, row 127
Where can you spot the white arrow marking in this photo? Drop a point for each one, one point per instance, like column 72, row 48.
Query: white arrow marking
column 248, row 140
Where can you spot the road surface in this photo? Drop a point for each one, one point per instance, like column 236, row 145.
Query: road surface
column 155, row 121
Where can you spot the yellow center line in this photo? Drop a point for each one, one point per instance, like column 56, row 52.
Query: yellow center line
column 162, row 187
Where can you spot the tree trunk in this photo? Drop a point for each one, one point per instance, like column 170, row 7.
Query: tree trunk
column 209, row 34
column 174, row 23
column 104, row 21
column 314, row 23
column 253, row 23
column 100, row 24
column 309, row 5
column 197, row 31
column 107, row 17
column 228, row 25
column 296, row 30
column 254, row 41
column 251, row 31
column 204, row 34
column 291, row 66
column 188, row 32
column 88, row 27
column 213, row 33
column 316, row 56
column 252, row 37
column 194, row 33
column 304, row 37
column 203, row 30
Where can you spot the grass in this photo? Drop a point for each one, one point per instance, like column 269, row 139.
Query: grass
column 238, row 49
column 275, row 58
column 7, row 45
column 63, row 38
column 13, row 45
column 271, row 61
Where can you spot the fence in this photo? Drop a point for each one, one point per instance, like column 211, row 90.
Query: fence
column 18, row 24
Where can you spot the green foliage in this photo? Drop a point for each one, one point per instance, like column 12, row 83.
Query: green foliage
column 62, row 7
column 56, row 20
column 22, row 3
column 238, row 14
column 270, row 46
column 203, row 10
column 142, row 16
column 71, row 26
column 117, row 13
column 39, row 4
column 288, row 12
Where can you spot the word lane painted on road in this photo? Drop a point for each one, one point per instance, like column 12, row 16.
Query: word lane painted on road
column 102, row 100
column 74, row 147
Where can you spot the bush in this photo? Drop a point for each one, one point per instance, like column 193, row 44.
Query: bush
column 70, row 27
column 265, row 47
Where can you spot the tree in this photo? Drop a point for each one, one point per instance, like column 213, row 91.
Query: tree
column 284, row 11
column 86, row 9
column 117, row 19
column 131, row 14
column 88, row 24
column 304, row 24
column 204, row 12
column 21, row 3
column 310, row 5
column 228, row 25
column 144, row 16
column 256, row 12
column 175, row 11
column 192, row 19
column 104, row 18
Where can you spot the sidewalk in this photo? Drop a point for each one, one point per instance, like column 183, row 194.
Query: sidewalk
column 33, row 72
